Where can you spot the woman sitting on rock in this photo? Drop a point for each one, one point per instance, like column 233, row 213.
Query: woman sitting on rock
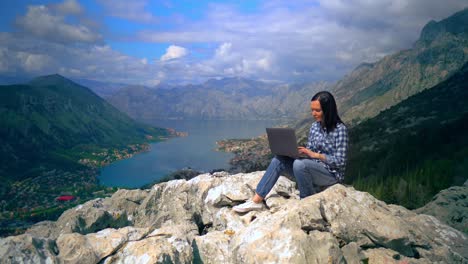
column 325, row 153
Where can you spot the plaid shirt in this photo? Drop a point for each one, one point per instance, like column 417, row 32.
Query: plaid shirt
column 333, row 145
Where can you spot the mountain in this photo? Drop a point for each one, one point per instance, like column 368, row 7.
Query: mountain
column 7, row 80
column 372, row 87
column 409, row 152
column 406, row 148
column 52, row 114
column 103, row 89
column 228, row 98
column 53, row 133
column 193, row 222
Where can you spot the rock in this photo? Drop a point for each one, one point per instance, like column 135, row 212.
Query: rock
column 374, row 224
column 92, row 216
column 44, row 229
column 450, row 206
column 27, row 249
column 385, row 255
column 170, row 245
column 232, row 191
column 91, row 248
column 89, row 217
column 192, row 221
column 213, row 247
column 353, row 253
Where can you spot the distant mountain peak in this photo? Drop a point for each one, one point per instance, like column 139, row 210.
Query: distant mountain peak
column 455, row 24
column 50, row 80
column 52, row 76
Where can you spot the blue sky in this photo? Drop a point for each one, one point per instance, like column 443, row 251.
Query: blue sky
column 149, row 42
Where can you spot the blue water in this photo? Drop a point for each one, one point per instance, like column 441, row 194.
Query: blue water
column 195, row 151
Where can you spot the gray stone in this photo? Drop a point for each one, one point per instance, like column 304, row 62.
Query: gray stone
column 353, row 254
column 450, row 206
column 188, row 221
column 27, row 249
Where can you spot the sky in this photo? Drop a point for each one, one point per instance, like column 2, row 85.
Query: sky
column 179, row 42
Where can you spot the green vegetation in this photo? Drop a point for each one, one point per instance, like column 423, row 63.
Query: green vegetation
column 54, row 135
column 417, row 147
column 408, row 153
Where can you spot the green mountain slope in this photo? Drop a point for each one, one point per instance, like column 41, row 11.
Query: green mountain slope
column 49, row 118
column 411, row 151
column 53, row 135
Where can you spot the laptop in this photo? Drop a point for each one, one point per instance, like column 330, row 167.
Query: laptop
column 283, row 142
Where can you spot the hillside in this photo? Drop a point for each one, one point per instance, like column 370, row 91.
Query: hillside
column 414, row 139
column 54, row 133
column 411, row 151
column 52, row 115
column 404, row 155
column 192, row 222
column 227, row 99
column 440, row 51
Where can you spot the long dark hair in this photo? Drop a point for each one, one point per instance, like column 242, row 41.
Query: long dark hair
column 330, row 118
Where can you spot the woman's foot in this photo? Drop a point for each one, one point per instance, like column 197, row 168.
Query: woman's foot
column 248, row 206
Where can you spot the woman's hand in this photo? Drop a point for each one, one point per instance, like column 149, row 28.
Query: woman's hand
column 310, row 153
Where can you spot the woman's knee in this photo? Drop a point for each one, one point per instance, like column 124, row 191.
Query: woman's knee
column 298, row 165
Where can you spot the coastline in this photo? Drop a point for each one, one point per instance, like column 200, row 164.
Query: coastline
column 35, row 199
column 249, row 154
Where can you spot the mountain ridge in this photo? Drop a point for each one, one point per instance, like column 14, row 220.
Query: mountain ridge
column 433, row 58
column 226, row 99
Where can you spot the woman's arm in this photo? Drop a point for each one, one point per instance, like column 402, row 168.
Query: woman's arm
column 338, row 158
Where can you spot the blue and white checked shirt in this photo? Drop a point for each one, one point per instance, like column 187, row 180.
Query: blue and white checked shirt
column 333, row 145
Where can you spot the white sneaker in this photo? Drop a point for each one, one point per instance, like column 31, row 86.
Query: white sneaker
column 248, row 206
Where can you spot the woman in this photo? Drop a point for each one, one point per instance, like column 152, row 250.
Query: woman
column 325, row 153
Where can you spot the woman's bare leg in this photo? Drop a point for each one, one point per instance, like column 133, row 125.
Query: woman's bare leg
column 257, row 198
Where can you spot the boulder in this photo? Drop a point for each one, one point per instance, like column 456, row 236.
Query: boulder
column 27, row 249
column 91, row 248
column 192, row 221
column 450, row 206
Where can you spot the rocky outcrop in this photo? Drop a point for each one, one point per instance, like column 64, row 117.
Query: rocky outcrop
column 450, row 207
column 192, row 222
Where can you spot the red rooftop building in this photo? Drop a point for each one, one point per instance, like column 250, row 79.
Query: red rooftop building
column 65, row 198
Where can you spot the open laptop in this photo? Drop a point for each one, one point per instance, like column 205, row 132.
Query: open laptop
column 283, row 142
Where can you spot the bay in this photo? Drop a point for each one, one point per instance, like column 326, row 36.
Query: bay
column 196, row 151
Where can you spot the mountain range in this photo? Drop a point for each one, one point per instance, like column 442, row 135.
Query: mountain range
column 407, row 114
column 228, row 98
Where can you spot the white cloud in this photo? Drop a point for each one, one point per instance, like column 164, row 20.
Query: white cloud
column 223, row 50
column 42, row 23
column 298, row 41
column 319, row 40
column 33, row 62
column 174, row 52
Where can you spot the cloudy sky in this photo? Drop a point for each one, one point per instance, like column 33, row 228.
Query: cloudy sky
column 148, row 42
